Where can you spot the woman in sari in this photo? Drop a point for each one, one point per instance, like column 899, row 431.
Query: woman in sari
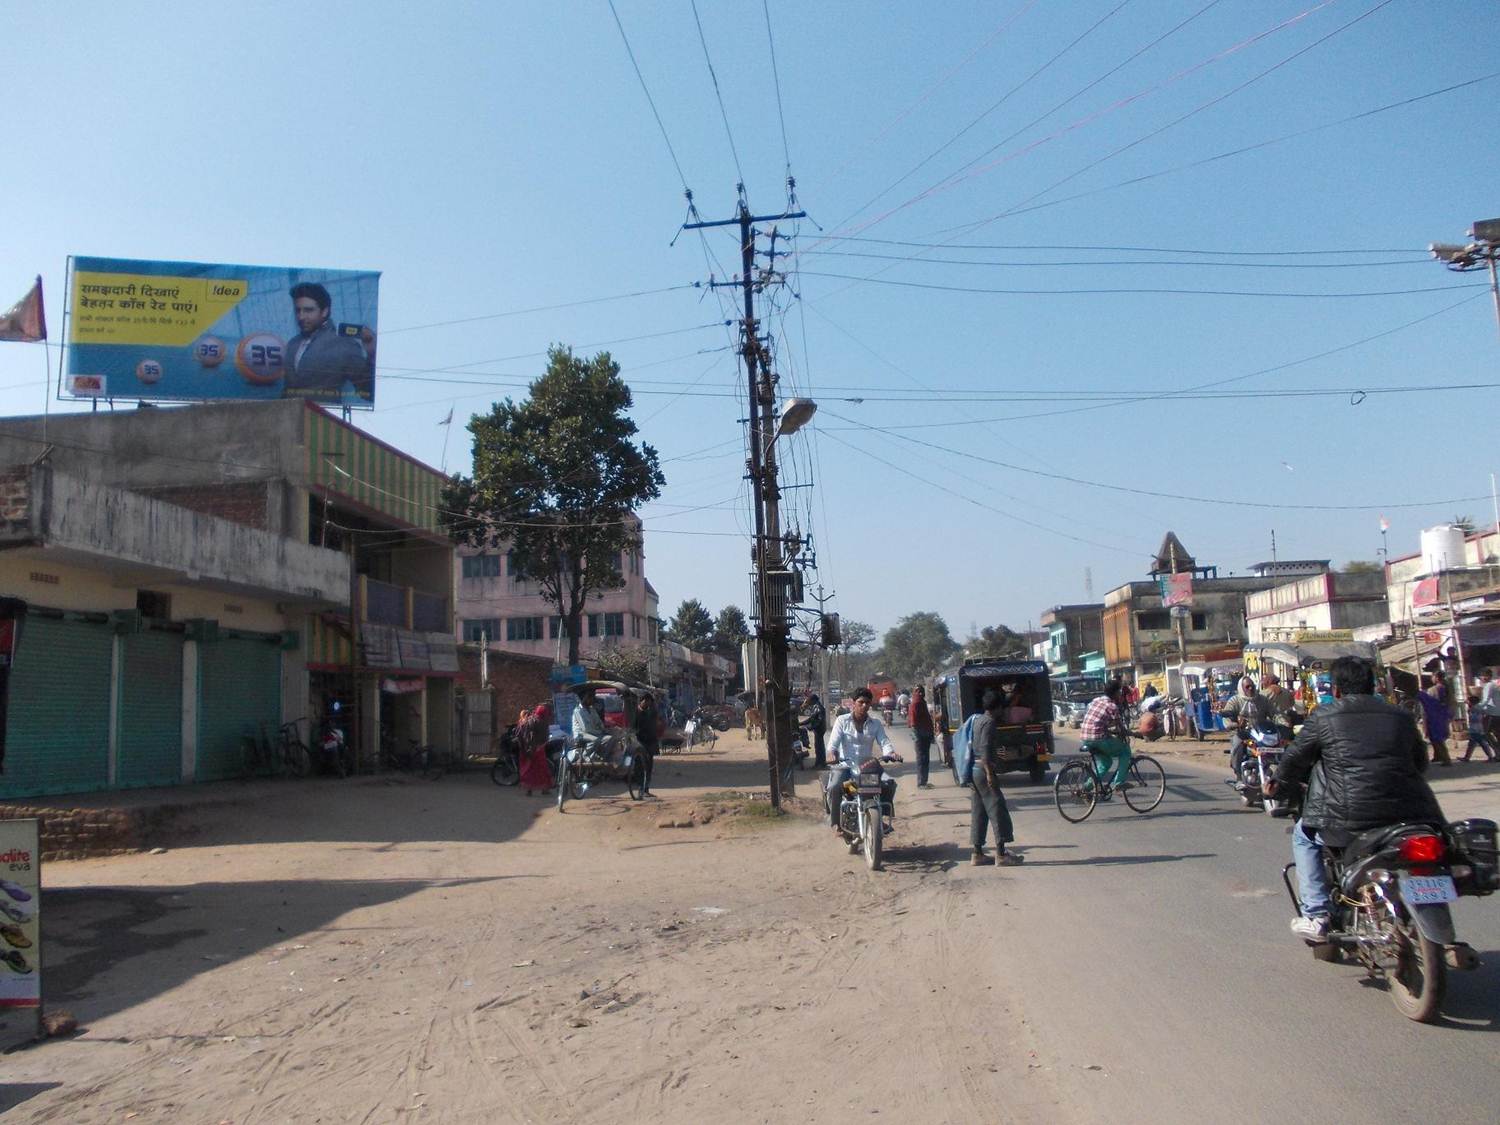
column 531, row 738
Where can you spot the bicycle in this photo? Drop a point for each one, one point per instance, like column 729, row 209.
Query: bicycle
column 1081, row 785
column 427, row 761
column 288, row 755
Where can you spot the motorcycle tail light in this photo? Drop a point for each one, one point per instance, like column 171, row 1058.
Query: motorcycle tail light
column 1422, row 849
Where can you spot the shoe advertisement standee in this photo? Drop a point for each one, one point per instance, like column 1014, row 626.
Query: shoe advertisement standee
column 20, row 933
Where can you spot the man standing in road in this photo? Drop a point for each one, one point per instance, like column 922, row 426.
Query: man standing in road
column 1362, row 762
column 919, row 718
column 987, row 803
column 319, row 360
column 815, row 718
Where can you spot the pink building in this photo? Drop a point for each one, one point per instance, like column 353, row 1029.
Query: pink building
column 509, row 611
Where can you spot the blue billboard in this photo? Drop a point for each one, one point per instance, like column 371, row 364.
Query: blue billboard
column 189, row 331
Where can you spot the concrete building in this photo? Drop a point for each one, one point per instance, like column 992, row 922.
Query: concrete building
column 1143, row 635
column 176, row 579
column 1073, row 631
column 506, row 608
column 1319, row 603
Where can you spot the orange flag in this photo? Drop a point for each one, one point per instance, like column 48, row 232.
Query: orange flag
column 26, row 320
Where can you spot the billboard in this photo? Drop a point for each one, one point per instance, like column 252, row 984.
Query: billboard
column 187, row 331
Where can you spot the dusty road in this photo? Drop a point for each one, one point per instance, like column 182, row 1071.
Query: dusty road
column 449, row 951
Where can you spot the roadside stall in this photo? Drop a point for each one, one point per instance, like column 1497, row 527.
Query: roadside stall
column 1217, row 679
column 1300, row 663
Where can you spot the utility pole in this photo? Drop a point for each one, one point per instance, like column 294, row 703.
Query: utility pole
column 772, row 629
column 823, row 599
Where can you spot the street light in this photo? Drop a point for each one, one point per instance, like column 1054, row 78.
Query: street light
column 795, row 413
column 1480, row 253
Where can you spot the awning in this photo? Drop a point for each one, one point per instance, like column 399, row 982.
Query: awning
column 1311, row 652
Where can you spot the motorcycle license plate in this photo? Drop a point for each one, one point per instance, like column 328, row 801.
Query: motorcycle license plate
column 1420, row 890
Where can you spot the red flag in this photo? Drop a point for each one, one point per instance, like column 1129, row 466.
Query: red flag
column 26, row 320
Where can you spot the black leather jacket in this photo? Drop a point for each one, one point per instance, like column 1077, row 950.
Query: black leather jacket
column 1362, row 762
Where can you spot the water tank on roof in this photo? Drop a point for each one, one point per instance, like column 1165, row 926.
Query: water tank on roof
column 1443, row 549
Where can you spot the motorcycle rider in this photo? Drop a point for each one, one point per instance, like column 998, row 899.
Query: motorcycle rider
column 854, row 739
column 1362, row 761
column 1247, row 709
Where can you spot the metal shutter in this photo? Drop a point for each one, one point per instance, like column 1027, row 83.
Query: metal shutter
column 239, row 690
column 149, row 748
column 57, row 721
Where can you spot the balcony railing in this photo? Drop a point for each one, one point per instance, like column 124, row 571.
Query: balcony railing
column 403, row 607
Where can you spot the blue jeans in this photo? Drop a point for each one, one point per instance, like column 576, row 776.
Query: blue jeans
column 1312, row 879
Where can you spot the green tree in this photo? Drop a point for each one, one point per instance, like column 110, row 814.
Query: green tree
column 557, row 479
column 997, row 641
column 730, row 631
column 692, row 626
column 628, row 664
column 916, row 645
column 1362, row 566
column 858, row 636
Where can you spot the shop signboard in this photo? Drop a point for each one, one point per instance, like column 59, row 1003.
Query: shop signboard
column 190, row 331
column 20, row 933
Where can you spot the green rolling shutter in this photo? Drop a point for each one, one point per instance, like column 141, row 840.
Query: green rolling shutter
column 149, row 747
column 57, row 721
column 239, row 689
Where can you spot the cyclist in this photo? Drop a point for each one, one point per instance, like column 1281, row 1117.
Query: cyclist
column 1103, row 732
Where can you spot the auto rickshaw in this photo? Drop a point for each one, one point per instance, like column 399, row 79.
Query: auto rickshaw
column 1024, row 741
column 581, row 768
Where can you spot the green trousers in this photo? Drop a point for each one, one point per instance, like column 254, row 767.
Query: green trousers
column 1116, row 749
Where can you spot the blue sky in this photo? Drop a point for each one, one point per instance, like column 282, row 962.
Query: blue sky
column 497, row 158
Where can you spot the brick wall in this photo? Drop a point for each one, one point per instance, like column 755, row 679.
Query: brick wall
column 241, row 502
column 15, row 498
column 81, row 833
column 516, row 681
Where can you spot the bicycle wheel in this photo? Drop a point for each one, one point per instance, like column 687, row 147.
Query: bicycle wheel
column 505, row 771
column 1075, row 791
column 563, row 780
column 434, row 763
column 1147, row 785
column 636, row 782
column 298, row 760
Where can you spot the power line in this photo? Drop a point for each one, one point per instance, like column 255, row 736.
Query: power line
column 718, row 95
column 876, row 280
column 1077, row 248
column 1199, row 263
column 1221, row 501
column 776, row 78
column 539, row 308
column 649, row 99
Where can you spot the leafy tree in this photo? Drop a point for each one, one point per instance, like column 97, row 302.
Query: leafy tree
column 1362, row 566
column 918, row 644
column 629, row 664
column 1464, row 524
column 557, row 478
column 997, row 641
column 730, row 630
column 858, row 636
column 692, row 626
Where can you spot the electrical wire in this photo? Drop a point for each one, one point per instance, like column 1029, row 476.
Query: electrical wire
column 537, row 309
column 776, row 79
column 877, row 280
column 650, row 100
column 1424, row 262
column 718, row 94
column 1157, row 495
column 1076, row 248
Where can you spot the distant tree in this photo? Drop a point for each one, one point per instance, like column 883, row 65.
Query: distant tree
column 629, row 664
column 557, row 479
column 1362, row 566
column 730, row 631
column 999, row 641
column 1464, row 524
column 917, row 645
column 857, row 635
column 692, row 626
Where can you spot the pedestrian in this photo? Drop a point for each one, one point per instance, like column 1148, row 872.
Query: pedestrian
column 919, row 718
column 1477, row 735
column 532, row 733
column 815, row 718
column 987, row 803
column 944, row 729
column 1436, row 716
column 648, row 732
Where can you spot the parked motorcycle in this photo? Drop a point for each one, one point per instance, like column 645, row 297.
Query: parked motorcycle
column 507, row 768
column 862, row 808
column 333, row 755
column 1390, row 908
column 1265, row 744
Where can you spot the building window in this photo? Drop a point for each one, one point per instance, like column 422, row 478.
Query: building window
column 523, row 629
column 480, row 629
column 614, row 624
column 593, row 624
column 150, row 603
column 635, row 625
column 559, row 627
column 481, row 566
column 513, row 567
column 1200, row 622
column 1153, row 619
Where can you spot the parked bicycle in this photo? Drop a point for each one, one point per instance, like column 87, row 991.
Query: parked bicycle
column 425, row 761
column 1084, row 782
column 287, row 755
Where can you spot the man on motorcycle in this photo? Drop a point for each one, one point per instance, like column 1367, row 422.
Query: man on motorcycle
column 1362, row 761
column 854, row 739
column 1245, row 710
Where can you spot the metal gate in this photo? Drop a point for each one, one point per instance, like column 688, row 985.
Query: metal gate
column 239, row 693
column 149, row 738
column 57, row 715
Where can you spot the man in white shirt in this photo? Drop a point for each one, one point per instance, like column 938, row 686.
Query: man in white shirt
column 855, row 738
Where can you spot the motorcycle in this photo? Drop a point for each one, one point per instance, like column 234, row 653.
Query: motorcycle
column 862, row 808
column 1265, row 744
column 333, row 755
column 1390, row 907
column 507, row 768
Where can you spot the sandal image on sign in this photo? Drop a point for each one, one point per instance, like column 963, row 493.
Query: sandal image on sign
column 16, row 891
column 13, row 958
column 14, row 935
column 14, row 913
